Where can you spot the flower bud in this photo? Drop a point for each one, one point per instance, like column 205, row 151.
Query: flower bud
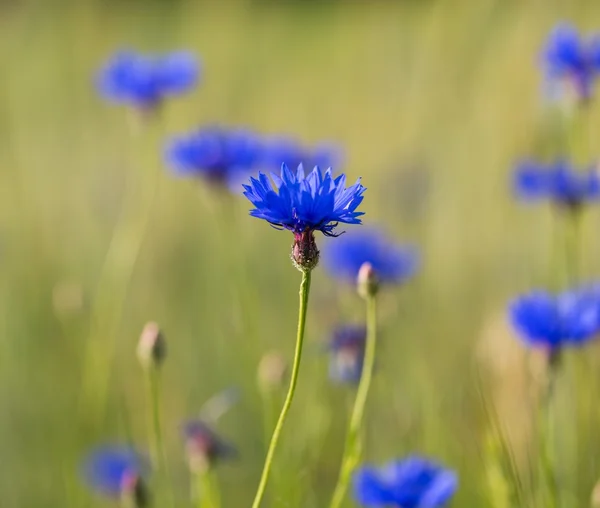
column 152, row 348
column 305, row 254
column 366, row 281
column 134, row 493
column 271, row 371
column 204, row 447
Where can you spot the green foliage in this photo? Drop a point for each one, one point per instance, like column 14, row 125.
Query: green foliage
column 446, row 91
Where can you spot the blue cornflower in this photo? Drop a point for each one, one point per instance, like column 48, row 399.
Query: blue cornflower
column 568, row 57
column 414, row 482
column 347, row 353
column 305, row 204
column 284, row 150
column 117, row 472
column 144, row 81
column 203, row 446
column 558, row 182
column 552, row 321
column 392, row 263
column 220, row 156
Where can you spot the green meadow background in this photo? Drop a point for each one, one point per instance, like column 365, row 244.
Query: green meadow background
column 432, row 101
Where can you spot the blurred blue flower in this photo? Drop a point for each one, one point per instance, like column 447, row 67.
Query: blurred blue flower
column 221, row 156
column 414, row 482
column 304, row 204
column 203, row 446
column 284, row 150
column 347, row 353
column 391, row 262
column 144, row 80
column 568, row 56
column 553, row 321
column 115, row 471
column 558, row 182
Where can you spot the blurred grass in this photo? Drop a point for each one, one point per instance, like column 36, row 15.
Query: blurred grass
column 432, row 101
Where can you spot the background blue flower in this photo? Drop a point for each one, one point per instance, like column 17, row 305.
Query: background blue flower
column 392, row 263
column 110, row 468
column 144, row 80
column 414, row 482
column 347, row 352
column 558, row 182
column 204, row 446
column 553, row 321
column 305, row 203
column 568, row 55
column 219, row 155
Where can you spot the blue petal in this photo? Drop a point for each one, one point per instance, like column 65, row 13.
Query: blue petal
column 303, row 202
column 393, row 264
column 106, row 467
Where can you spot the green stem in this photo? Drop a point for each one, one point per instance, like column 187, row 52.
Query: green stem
column 548, row 437
column 155, row 427
column 572, row 251
column 153, row 379
column 207, row 494
column 352, row 448
column 304, row 291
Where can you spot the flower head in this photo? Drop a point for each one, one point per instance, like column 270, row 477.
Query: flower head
column 414, row 482
column 203, row 446
column 347, row 352
column 144, row 81
column 284, row 150
column 304, row 204
column 220, row 156
column 569, row 58
column 553, row 321
column 559, row 182
column 391, row 263
column 117, row 472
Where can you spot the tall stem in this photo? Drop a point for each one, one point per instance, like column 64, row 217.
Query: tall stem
column 207, row 492
column 155, row 429
column 154, row 423
column 572, row 250
column 352, row 448
column 304, row 291
column 547, row 424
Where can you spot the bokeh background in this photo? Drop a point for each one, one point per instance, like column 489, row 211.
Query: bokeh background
column 432, row 102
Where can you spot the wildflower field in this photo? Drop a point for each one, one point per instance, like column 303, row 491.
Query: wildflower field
column 196, row 311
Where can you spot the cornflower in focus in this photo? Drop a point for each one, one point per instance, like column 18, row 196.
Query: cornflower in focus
column 558, row 182
column 204, row 448
column 304, row 204
column 117, row 472
column 414, row 482
column 144, row 81
column 391, row 263
column 571, row 62
column 220, row 156
column 552, row 321
column 347, row 353
column 280, row 150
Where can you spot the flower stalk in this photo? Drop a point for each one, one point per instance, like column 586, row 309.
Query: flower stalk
column 367, row 287
column 304, row 292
